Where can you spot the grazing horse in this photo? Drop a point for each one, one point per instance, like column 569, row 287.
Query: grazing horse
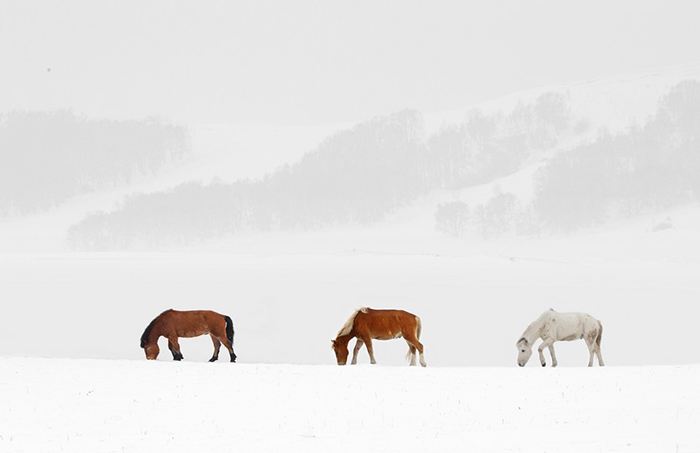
column 552, row 326
column 367, row 324
column 173, row 324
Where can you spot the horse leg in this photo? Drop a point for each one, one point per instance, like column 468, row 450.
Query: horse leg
column 600, row 356
column 422, row 358
column 543, row 345
column 174, row 347
column 413, row 342
column 591, row 351
column 227, row 344
column 358, row 345
column 219, row 331
column 370, row 349
column 419, row 347
column 217, row 346
column 597, row 346
column 554, row 356
column 411, row 353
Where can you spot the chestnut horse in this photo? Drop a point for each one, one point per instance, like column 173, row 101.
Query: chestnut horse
column 367, row 324
column 173, row 324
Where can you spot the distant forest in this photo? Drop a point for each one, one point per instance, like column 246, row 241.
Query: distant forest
column 360, row 175
column 651, row 167
column 46, row 158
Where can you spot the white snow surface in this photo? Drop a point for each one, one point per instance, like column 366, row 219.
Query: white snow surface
column 58, row 405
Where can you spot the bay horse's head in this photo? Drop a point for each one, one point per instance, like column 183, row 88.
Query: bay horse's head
column 149, row 345
column 524, row 351
column 152, row 350
column 341, row 351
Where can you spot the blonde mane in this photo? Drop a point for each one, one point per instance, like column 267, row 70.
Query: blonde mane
column 347, row 327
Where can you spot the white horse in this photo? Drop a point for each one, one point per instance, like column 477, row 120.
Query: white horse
column 552, row 326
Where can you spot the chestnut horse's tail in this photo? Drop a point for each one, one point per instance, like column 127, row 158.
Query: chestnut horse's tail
column 229, row 328
column 419, row 327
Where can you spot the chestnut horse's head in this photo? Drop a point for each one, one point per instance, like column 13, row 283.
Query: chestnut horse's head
column 341, row 351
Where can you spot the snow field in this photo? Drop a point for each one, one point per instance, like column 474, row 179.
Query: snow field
column 79, row 405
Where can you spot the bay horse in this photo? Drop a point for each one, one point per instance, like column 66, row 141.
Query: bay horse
column 367, row 324
column 552, row 326
column 173, row 324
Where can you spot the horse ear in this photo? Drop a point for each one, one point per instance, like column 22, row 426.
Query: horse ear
column 524, row 341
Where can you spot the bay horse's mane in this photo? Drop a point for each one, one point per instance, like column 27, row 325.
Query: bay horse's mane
column 347, row 327
column 147, row 332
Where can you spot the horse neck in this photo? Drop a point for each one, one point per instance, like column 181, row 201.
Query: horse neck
column 533, row 331
column 344, row 339
column 155, row 333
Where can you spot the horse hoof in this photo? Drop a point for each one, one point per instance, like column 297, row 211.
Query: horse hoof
column 544, row 364
column 213, row 359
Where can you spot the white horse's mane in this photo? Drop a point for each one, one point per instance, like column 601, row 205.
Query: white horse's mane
column 347, row 327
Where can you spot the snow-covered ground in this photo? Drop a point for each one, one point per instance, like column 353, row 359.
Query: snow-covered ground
column 55, row 405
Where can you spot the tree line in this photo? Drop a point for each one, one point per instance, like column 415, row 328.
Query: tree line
column 359, row 175
column 48, row 157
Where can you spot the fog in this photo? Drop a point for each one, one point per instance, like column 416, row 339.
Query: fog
column 288, row 163
column 312, row 62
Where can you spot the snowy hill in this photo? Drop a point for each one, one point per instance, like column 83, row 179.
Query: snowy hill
column 580, row 176
column 375, row 170
column 112, row 406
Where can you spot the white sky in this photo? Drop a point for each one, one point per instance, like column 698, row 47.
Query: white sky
column 313, row 62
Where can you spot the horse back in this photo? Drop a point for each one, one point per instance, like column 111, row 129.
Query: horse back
column 386, row 324
column 193, row 323
column 571, row 326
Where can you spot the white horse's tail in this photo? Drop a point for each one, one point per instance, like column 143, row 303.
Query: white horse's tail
column 600, row 334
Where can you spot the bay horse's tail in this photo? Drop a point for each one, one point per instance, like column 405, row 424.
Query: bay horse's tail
column 229, row 328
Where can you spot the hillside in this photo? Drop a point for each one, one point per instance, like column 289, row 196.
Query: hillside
column 135, row 406
column 518, row 165
column 579, row 176
column 47, row 158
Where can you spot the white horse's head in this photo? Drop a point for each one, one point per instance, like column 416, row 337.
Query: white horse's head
column 524, row 351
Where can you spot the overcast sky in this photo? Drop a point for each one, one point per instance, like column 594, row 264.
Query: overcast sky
column 311, row 62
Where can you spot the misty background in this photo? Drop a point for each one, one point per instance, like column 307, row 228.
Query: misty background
column 288, row 163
